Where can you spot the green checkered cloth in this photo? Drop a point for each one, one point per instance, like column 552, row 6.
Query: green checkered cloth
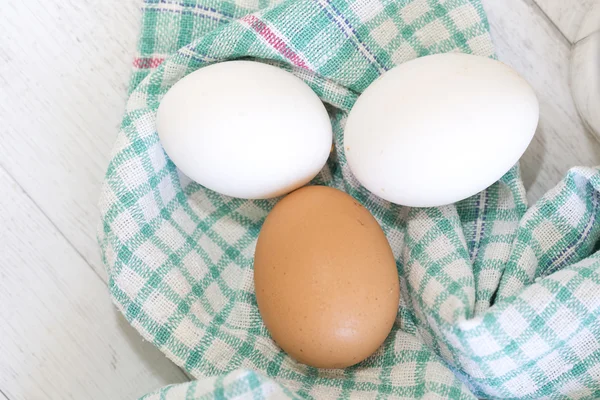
column 497, row 301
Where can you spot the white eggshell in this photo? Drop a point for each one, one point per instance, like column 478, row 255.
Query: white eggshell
column 245, row 129
column 439, row 129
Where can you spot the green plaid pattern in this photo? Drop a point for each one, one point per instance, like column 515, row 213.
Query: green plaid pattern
column 497, row 301
column 239, row 384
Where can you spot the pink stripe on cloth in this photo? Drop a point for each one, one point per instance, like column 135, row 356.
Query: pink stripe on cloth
column 145, row 63
column 277, row 42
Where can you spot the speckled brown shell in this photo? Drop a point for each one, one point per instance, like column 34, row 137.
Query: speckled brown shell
column 325, row 278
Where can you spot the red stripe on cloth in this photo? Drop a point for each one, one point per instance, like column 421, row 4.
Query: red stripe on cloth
column 145, row 63
column 277, row 42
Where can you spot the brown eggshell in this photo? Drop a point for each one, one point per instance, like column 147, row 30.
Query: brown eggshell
column 325, row 277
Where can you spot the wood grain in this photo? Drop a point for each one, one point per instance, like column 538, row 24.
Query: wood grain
column 64, row 68
column 528, row 41
column 567, row 15
column 63, row 77
column 61, row 336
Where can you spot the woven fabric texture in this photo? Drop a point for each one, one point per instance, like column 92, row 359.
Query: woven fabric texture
column 497, row 301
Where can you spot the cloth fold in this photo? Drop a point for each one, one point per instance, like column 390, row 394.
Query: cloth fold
column 497, row 301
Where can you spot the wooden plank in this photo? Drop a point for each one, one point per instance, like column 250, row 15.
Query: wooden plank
column 567, row 15
column 530, row 43
column 64, row 68
column 61, row 337
column 590, row 23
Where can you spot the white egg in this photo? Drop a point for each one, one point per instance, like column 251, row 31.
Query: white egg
column 245, row 129
column 439, row 129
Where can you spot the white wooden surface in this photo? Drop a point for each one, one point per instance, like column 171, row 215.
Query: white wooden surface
column 64, row 66
column 567, row 14
column 64, row 72
column 585, row 63
column 61, row 338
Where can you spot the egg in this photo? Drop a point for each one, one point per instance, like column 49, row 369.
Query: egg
column 325, row 278
column 245, row 129
column 439, row 129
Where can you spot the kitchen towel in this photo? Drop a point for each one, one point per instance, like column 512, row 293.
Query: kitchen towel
column 497, row 300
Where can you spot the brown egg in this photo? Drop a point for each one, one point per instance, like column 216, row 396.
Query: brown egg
column 325, row 278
